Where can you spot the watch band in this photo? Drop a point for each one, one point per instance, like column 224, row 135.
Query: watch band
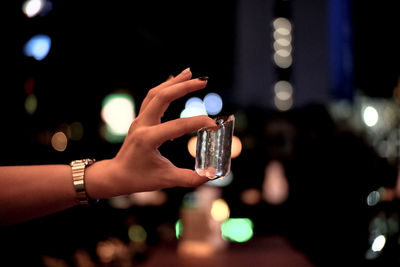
column 78, row 179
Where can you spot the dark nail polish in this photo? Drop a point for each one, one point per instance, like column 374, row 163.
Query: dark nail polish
column 203, row 78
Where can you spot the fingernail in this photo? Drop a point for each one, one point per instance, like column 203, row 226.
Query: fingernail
column 203, row 78
column 186, row 70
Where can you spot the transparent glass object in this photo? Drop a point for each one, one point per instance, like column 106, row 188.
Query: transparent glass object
column 213, row 151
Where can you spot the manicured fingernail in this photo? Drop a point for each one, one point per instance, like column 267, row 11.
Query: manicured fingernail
column 203, row 78
column 187, row 70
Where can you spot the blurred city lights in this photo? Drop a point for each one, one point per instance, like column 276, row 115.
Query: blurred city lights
column 236, row 147
column 193, row 108
column 275, row 186
column 283, row 105
column 282, row 25
column 118, row 112
column 237, row 229
column 370, row 116
column 30, row 104
column 283, row 90
column 38, row 47
column 59, row 141
column 220, row 210
column 149, row 198
column 221, row 182
column 32, row 8
column 192, row 100
column 278, row 37
column 283, row 62
column 251, row 196
column 137, row 233
column 178, row 229
column 282, row 42
column 213, row 103
column 283, row 52
column 378, row 243
column 373, row 198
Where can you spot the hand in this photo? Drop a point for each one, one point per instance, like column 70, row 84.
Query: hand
column 139, row 166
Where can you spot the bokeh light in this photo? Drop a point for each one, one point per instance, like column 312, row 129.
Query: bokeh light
column 220, row 210
column 59, row 141
column 178, row 228
column 283, row 62
column 282, row 25
column 213, row 103
column 251, row 196
column 373, row 198
column 236, row 147
column 118, row 112
column 191, row 146
column 237, row 229
column 32, row 7
column 192, row 100
column 275, row 188
column 370, row 116
column 38, row 47
column 137, row 233
column 31, row 104
column 193, row 108
column 283, row 105
column 283, row 90
column 378, row 243
column 149, row 198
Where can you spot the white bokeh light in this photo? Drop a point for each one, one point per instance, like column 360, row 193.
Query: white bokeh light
column 370, row 116
column 32, row 8
column 118, row 112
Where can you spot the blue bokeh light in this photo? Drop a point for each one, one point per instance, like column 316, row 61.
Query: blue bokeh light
column 38, row 46
column 213, row 103
column 193, row 100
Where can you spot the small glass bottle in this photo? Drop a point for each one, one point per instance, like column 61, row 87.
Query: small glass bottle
column 213, row 152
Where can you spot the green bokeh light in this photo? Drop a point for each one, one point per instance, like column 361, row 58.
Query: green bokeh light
column 237, row 229
column 137, row 233
column 178, row 229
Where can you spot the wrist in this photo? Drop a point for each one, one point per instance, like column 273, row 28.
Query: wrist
column 99, row 180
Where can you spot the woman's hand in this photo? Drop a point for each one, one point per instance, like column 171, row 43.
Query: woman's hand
column 139, row 166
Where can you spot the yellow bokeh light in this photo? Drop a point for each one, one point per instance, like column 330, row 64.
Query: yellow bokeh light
column 59, row 141
column 236, row 147
column 220, row 210
column 192, row 144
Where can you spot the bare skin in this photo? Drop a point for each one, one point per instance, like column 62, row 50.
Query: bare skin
column 28, row 192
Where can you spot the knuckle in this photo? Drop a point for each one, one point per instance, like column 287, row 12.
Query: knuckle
column 152, row 92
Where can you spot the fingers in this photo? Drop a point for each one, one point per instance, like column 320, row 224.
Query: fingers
column 159, row 103
column 185, row 75
column 188, row 178
column 176, row 128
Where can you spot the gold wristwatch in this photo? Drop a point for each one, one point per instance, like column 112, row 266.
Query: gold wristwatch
column 78, row 178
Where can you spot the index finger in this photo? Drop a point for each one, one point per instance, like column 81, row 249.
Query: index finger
column 185, row 75
column 158, row 105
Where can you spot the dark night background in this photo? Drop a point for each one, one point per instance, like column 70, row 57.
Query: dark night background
column 98, row 47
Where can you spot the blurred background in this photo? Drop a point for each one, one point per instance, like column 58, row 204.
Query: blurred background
column 314, row 87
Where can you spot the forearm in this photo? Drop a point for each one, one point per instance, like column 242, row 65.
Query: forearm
column 28, row 192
